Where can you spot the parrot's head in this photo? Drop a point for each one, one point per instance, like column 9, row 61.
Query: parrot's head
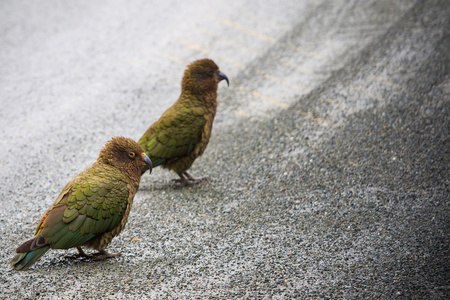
column 126, row 155
column 202, row 76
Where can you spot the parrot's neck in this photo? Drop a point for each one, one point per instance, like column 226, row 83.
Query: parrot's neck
column 204, row 99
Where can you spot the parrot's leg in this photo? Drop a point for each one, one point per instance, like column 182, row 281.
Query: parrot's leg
column 78, row 255
column 182, row 181
column 102, row 255
column 81, row 252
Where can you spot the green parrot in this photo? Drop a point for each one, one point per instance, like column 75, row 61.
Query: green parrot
column 92, row 208
column 182, row 132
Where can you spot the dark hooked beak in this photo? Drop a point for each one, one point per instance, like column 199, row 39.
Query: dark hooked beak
column 222, row 76
column 148, row 162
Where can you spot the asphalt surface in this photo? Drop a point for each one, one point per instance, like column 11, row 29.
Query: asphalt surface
column 328, row 164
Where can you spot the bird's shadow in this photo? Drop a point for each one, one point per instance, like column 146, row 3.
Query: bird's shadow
column 157, row 186
column 65, row 261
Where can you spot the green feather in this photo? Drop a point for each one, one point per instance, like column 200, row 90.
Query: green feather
column 96, row 205
column 82, row 210
column 70, row 214
column 87, row 191
column 158, row 148
column 79, row 195
column 53, row 230
column 102, row 192
column 76, row 223
column 58, row 238
column 80, row 204
column 79, row 239
column 102, row 225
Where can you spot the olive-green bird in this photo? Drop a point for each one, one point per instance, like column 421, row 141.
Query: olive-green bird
column 182, row 132
column 92, row 208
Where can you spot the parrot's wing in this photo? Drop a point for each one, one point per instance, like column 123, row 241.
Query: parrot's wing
column 88, row 207
column 174, row 135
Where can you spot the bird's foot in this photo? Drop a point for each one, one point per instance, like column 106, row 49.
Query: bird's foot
column 180, row 182
column 102, row 255
column 188, row 179
column 193, row 179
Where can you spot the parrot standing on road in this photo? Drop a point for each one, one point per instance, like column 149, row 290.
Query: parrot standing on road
column 92, row 208
column 182, row 132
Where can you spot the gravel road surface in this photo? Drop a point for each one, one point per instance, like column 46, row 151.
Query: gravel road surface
column 329, row 160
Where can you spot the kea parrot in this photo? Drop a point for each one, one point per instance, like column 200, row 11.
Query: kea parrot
column 182, row 132
column 92, row 208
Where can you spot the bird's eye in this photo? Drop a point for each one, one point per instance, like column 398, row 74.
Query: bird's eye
column 209, row 72
column 131, row 154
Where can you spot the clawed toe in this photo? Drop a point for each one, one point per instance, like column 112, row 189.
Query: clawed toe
column 187, row 179
column 101, row 255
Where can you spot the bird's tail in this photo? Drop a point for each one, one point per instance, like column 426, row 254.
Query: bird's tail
column 29, row 252
column 23, row 261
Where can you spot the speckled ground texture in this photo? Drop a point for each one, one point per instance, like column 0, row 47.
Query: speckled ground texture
column 328, row 164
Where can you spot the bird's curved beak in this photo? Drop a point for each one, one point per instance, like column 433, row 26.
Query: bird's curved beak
column 147, row 161
column 222, row 76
